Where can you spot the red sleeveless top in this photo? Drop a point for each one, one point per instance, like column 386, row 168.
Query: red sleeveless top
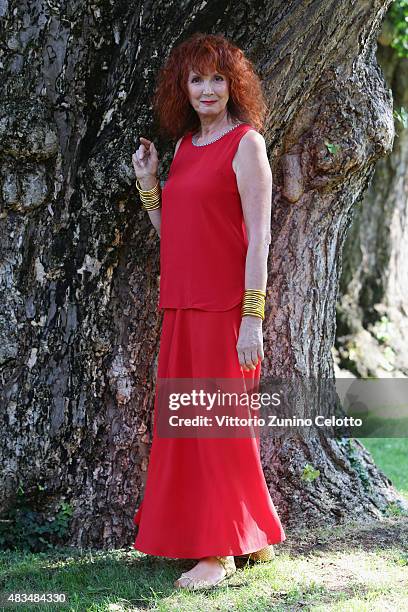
column 203, row 241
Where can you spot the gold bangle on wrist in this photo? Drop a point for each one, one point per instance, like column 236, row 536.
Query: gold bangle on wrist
column 150, row 198
column 253, row 303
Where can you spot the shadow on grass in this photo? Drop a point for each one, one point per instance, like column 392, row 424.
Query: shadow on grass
column 311, row 568
column 371, row 535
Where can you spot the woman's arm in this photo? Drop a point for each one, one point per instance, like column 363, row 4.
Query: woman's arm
column 254, row 181
column 154, row 215
column 149, row 183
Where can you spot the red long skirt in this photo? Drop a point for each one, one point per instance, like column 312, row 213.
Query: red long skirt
column 204, row 496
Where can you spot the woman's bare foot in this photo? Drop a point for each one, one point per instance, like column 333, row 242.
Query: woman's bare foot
column 207, row 572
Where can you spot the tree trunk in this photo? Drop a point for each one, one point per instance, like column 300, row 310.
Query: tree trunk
column 373, row 309
column 80, row 260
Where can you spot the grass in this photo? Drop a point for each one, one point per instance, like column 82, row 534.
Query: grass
column 384, row 426
column 391, row 455
column 361, row 567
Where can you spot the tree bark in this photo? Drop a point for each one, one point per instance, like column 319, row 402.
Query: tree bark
column 373, row 308
column 80, row 261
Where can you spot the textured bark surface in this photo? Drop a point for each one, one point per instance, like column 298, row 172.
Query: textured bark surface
column 373, row 309
column 80, row 261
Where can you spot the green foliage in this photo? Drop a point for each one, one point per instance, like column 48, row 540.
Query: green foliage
column 355, row 462
column 403, row 559
column 398, row 17
column 395, row 509
column 401, row 116
column 24, row 528
column 331, row 147
column 309, row 473
column 381, row 330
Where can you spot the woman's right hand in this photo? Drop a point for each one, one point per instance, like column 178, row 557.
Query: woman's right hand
column 145, row 159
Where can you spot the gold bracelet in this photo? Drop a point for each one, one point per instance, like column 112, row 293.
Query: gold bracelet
column 254, row 303
column 150, row 198
column 147, row 191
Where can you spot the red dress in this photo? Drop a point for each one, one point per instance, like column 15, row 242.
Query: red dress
column 204, row 496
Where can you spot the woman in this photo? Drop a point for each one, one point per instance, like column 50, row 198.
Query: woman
column 206, row 498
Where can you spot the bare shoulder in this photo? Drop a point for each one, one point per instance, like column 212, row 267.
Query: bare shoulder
column 252, row 147
column 252, row 141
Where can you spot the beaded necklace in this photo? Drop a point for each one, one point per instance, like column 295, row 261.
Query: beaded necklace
column 204, row 144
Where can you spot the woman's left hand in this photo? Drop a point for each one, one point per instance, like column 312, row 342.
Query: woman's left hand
column 250, row 342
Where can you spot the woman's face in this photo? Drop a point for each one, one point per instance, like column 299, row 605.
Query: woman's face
column 211, row 87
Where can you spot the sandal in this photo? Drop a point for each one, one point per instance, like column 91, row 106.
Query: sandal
column 228, row 564
column 261, row 556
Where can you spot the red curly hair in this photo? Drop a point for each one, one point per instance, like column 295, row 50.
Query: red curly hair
column 205, row 53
